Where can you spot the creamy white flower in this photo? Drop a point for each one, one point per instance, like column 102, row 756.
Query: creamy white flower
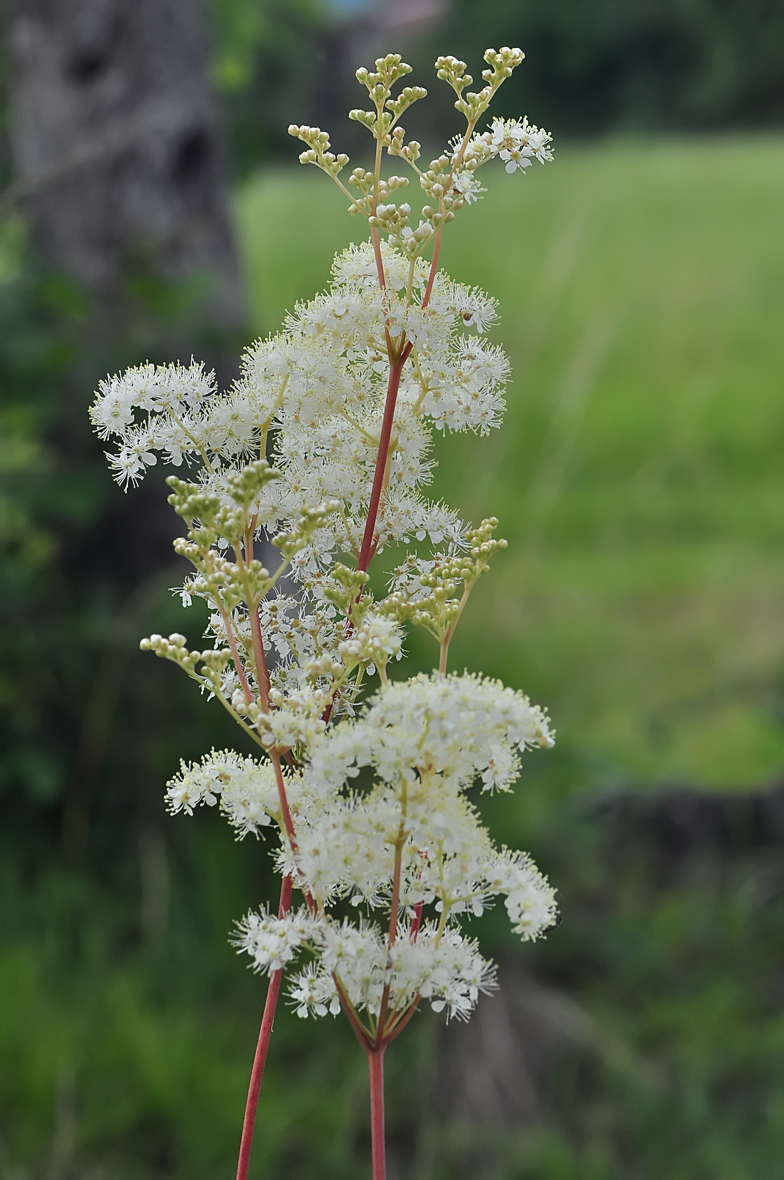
column 468, row 186
column 452, row 725
column 313, row 992
column 246, row 789
column 442, row 967
column 273, row 942
column 516, row 141
column 379, row 800
column 375, row 641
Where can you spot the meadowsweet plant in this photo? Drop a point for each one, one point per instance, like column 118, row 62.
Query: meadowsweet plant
column 362, row 783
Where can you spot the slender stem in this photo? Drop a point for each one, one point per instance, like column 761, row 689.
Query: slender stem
column 451, row 630
column 235, row 655
column 443, row 657
column 285, row 810
column 265, row 1032
column 257, row 641
column 374, row 234
column 393, row 915
column 376, row 1064
column 433, row 268
column 288, row 824
column 207, row 461
column 273, row 990
column 376, row 240
column 254, row 737
column 393, row 386
column 262, row 671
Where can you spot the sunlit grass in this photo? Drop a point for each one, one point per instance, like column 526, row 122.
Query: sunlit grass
column 639, row 475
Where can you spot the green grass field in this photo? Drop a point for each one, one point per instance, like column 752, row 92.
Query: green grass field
column 639, row 475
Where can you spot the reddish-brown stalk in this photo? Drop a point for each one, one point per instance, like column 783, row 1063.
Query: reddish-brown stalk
column 393, row 387
column 265, row 1032
column 389, row 1029
column 262, row 671
column 350, row 1014
column 376, row 1064
column 396, row 364
column 433, row 268
column 375, row 1054
column 276, row 977
column 273, row 988
column 392, row 934
column 235, row 655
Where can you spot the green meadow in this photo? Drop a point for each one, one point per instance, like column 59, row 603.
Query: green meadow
column 638, row 475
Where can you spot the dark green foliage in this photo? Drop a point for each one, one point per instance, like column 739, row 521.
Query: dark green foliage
column 45, row 501
column 270, row 68
column 594, row 65
column 85, row 569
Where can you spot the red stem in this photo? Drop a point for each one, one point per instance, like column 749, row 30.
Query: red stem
column 262, row 1045
column 393, row 386
column 261, row 659
column 433, row 268
column 376, row 1063
column 235, row 655
column 288, row 822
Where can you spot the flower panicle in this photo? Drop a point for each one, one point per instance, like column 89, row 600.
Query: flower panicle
column 290, row 483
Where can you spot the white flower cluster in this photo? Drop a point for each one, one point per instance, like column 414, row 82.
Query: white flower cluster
column 456, row 727
column 412, row 831
column 320, row 386
column 173, row 409
column 447, row 970
column 442, row 967
column 375, row 641
column 518, row 143
column 323, row 447
column 273, row 942
column 246, row 790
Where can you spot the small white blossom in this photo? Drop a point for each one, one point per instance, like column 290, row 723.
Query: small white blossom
column 468, row 186
column 246, row 789
column 273, row 942
column 376, row 640
column 516, row 142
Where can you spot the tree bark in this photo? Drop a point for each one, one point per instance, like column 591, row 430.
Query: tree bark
column 116, row 145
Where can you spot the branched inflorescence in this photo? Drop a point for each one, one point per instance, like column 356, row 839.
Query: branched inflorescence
column 323, row 446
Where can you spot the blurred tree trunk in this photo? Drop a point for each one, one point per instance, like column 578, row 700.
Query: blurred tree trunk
column 118, row 156
column 116, row 146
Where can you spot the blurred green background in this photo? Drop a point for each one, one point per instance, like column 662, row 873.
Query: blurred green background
column 639, row 480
